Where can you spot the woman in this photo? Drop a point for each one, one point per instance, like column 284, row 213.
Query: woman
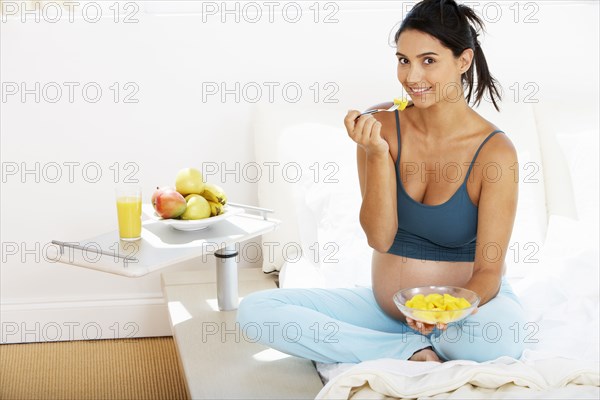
column 438, row 209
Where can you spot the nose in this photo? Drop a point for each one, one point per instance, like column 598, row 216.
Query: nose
column 414, row 74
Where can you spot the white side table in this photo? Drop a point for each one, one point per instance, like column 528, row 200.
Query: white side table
column 162, row 246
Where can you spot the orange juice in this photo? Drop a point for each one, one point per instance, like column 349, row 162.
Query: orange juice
column 129, row 211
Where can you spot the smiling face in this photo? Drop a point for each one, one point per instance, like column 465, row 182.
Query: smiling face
column 428, row 70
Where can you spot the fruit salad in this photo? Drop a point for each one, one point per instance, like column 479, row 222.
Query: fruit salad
column 446, row 308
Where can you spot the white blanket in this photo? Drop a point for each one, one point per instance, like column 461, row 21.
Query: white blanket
column 504, row 377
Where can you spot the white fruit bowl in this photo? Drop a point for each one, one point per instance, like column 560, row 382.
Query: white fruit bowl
column 197, row 224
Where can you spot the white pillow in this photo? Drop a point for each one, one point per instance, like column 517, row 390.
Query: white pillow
column 329, row 199
column 562, row 126
column 581, row 150
column 517, row 121
column 274, row 192
column 560, row 294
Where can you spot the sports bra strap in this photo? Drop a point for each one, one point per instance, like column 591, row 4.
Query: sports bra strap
column 399, row 145
column 477, row 153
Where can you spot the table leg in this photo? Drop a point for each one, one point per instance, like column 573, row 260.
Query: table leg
column 227, row 278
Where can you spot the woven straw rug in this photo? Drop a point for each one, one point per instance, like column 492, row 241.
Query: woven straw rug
column 145, row 368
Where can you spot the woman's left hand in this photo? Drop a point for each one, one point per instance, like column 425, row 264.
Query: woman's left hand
column 425, row 329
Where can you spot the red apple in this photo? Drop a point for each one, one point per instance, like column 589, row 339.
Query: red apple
column 170, row 203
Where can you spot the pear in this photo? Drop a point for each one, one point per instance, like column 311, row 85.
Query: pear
column 189, row 181
column 197, row 208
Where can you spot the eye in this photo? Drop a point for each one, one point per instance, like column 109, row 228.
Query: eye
column 432, row 61
column 400, row 59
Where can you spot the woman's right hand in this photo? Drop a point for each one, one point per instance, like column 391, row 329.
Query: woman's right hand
column 366, row 132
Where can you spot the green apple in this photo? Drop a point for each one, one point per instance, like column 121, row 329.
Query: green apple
column 197, row 207
column 188, row 181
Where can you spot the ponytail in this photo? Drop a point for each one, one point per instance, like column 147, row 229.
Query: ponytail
column 485, row 80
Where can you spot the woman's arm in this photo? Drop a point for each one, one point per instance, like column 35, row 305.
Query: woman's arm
column 377, row 177
column 496, row 216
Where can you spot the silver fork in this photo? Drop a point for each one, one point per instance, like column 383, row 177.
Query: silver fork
column 392, row 108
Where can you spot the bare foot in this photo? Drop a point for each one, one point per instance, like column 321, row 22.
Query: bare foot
column 426, row 354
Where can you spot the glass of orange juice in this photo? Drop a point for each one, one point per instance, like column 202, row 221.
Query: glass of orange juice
column 129, row 212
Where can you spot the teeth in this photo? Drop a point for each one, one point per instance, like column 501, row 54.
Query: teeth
column 420, row 90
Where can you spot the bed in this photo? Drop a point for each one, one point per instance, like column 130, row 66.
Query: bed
column 552, row 260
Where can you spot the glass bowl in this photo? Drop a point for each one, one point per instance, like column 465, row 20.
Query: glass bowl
column 435, row 316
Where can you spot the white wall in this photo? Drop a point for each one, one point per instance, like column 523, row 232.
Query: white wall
column 169, row 54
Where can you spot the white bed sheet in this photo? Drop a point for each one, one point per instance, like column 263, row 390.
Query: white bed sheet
column 559, row 294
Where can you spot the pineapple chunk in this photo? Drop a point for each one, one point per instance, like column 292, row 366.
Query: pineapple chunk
column 401, row 102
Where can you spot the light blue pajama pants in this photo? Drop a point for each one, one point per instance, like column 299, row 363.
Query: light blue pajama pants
column 347, row 325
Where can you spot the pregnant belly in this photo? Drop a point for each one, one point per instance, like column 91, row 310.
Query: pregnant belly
column 391, row 273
